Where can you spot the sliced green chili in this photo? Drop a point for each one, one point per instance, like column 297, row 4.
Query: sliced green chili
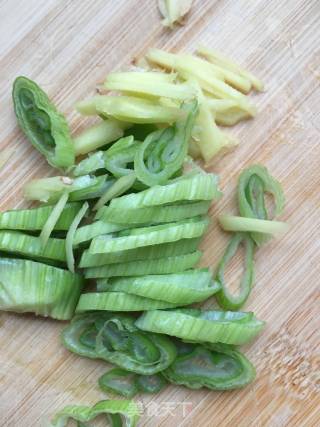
column 202, row 326
column 225, row 299
column 44, row 126
column 118, row 413
column 115, row 339
column 212, row 368
column 150, row 383
column 119, row 381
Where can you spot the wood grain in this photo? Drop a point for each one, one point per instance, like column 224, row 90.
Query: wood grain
column 69, row 46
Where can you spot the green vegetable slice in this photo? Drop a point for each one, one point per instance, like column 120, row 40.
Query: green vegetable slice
column 53, row 219
column 81, row 188
column 182, row 247
column 252, row 225
column 120, row 156
column 27, row 286
column 119, row 187
column 147, row 236
column 44, row 126
column 128, row 384
column 119, row 300
column 87, row 232
column 253, row 183
column 163, row 152
column 120, row 342
column 200, row 186
column 154, row 214
column 30, row 246
column 118, row 413
column 114, row 338
column 173, row 264
column 98, row 135
column 225, row 299
column 202, row 326
column 212, row 368
column 119, row 381
column 71, row 234
column 89, row 165
column 150, row 383
column 180, row 288
column 34, row 219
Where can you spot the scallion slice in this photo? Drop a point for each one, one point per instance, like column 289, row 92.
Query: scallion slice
column 71, row 234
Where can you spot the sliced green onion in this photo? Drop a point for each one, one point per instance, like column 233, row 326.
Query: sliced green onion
column 173, row 264
column 71, row 234
column 163, row 152
column 34, row 219
column 119, row 187
column 183, row 246
column 202, row 326
column 119, row 158
column 32, row 287
column 53, row 219
column 154, row 214
column 119, row 413
column 88, row 232
column 212, row 367
column 180, row 288
column 253, row 183
column 81, row 188
column 30, row 246
column 148, row 236
column 119, row 381
column 238, row 223
column 89, row 165
column 98, row 135
column 119, row 300
column 197, row 187
column 225, row 299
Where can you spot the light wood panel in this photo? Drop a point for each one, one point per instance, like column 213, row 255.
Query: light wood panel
column 69, row 46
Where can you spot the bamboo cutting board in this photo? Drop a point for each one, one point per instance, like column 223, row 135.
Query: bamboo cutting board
column 68, row 46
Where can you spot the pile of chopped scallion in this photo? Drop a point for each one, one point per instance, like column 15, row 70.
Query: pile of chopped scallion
column 114, row 244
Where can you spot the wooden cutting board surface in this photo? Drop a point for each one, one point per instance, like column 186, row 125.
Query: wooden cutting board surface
column 68, row 46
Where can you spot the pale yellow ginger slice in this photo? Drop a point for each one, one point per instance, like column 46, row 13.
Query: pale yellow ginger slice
column 217, row 58
column 208, row 78
column 173, row 11
column 226, row 111
column 149, row 84
column 210, row 140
